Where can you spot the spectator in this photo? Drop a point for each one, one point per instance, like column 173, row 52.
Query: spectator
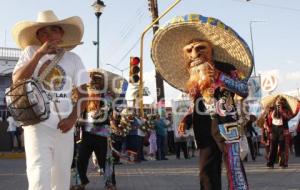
column 14, row 132
column 141, row 136
column 152, row 141
column 132, row 137
column 181, row 143
column 250, row 132
column 170, row 134
column 160, row 127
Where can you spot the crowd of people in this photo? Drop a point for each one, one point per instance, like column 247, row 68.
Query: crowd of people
column 146, row 139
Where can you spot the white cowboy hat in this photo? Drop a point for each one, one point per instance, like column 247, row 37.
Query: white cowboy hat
column 169, row 40
column 24, row 32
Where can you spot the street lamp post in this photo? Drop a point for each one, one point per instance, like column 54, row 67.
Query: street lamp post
column 121, row 70
column 252, row 46
column 98, row 7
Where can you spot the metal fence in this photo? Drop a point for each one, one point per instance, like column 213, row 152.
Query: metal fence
column 9, row 53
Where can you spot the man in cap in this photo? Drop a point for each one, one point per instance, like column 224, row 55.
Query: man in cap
column 204, row 57
column 49, row 144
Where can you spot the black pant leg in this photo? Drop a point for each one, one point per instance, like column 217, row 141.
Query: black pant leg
column 297, row 145
column 282, row 147
column 185, row 150
column 273, row 152
column 75, row 153
column 251, row 147
column 117, row 144
column 171, row 144
column 163, row 154
column 85, row 152
column 100, row 149
column 12, row 136
column 140, row 145
column 177, row 147
column 18, row 137
column 113, row 176
column 210, row 161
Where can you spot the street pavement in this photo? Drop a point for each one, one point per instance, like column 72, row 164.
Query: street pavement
column 169, row 174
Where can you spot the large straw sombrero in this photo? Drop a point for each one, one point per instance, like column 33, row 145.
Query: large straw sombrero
column 269, row 101
column 169, row 40
column 24, row 32
column 292, row 102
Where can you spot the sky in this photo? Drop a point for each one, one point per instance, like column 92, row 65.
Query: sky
column 275, row 40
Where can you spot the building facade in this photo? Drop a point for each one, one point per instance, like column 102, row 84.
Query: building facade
column 8, row 60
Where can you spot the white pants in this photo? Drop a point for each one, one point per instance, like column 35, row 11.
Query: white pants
column 49, row 154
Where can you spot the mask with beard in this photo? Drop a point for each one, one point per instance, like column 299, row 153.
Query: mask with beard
column 198, row 60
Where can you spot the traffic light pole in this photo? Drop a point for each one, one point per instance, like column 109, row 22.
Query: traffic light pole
column 141, row 55
column 160, row 91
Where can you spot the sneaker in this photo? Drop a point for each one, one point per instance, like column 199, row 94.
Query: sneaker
column 270, row 166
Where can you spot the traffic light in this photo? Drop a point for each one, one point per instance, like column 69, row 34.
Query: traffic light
column 134, row 73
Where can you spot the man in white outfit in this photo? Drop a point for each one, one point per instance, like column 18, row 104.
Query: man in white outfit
column 49, row 144
column 13, row 132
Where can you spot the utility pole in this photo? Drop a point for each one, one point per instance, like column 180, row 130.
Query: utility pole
column 160, row 92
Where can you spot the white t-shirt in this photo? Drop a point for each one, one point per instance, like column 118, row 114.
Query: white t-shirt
column 68, row 73
column 12, row 125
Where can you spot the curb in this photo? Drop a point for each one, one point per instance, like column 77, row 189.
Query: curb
column 12, row 155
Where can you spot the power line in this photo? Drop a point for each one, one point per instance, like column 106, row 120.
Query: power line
column 130, row 29
column 126, row 31
column 127, row 53
column 270, row 6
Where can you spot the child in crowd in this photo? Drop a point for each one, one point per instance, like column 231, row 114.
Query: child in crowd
column 152, row 145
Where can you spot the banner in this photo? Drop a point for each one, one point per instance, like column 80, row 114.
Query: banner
column 254, row 96
column 254, row 88
column 179, row 110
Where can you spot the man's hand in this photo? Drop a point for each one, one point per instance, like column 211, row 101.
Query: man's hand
column 66, row 124
column 49, row 47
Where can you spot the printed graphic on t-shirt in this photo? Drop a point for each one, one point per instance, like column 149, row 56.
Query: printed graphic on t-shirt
column 56, row 79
